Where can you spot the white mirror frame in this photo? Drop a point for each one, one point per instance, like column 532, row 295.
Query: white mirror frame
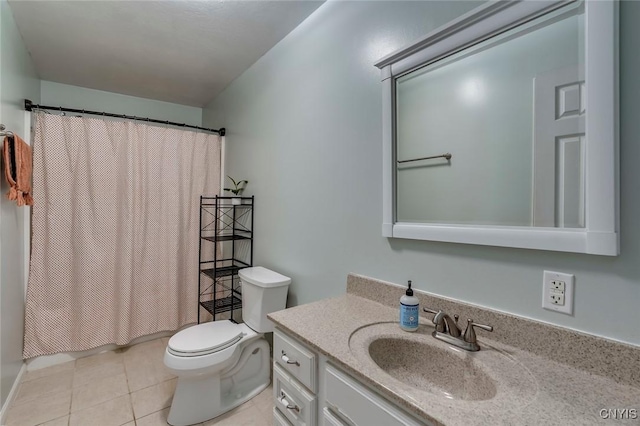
column 600, row 235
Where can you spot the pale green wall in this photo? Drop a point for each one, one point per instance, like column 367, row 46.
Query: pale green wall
column 18, row 80
column 304, row 126
column 57, row 94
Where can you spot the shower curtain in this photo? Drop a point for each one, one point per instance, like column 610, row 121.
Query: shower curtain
column 114, row 252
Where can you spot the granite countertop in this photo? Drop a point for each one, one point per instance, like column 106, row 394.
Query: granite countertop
column 531, row 389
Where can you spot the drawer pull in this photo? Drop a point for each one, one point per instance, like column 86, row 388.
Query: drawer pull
column 285, row 402
column 286, row 359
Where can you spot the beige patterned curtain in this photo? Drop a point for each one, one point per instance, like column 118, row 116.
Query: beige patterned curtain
column 115, row 230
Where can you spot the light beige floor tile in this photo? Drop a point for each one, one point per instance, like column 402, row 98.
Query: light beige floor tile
column 93, row 360
column 107, row 366
column 145, row 367
column 154, row 398
column 115, row 412
column 61, row 421
column 36, row 388
column 142, row 349
column 252, row 416
column 264, row 400
column 50, row 406
column 142, row 373
column 47, row 371
column 159, row 418
column 100, row 391
column 230, row 413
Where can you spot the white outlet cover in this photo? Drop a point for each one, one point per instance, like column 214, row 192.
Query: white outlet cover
column 568, row 279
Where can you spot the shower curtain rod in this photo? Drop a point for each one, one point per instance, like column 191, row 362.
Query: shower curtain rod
column 28, row 106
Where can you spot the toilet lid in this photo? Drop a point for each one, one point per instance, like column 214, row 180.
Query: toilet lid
column 206, row 338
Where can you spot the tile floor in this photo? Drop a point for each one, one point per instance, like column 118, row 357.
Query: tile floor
column 127, row 387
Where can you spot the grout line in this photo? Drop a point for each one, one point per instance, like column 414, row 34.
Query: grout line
column 129, row 392
column 33, row 400
column 102, row 402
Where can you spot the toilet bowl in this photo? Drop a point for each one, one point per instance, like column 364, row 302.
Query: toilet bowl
column 222, row 364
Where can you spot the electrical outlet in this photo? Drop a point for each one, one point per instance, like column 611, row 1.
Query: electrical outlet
column 558, row 285
column 557, row 292
column 557, row 299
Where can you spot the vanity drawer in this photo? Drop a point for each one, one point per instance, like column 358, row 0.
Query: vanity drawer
column 279, row 419
column 295, row 359
column 295, row 402
column 356, row 405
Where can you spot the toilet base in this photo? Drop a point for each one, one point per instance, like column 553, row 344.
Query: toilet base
column 203, row 397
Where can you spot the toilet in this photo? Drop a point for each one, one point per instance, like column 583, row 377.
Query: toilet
column 222, row 364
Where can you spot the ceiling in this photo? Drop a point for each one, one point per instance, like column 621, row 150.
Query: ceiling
column 184, row 52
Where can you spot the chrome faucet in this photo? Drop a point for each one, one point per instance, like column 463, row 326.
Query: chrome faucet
column 448, row 331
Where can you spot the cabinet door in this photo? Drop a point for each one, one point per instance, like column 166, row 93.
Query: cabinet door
column 331, row 419
column 359, row 406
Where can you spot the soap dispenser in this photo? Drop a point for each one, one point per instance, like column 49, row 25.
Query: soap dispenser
column 409, row 311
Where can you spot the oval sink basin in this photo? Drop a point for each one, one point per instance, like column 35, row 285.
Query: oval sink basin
column 419, row 366
column 427, row 367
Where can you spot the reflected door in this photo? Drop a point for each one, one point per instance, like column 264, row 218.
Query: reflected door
column 558, row 149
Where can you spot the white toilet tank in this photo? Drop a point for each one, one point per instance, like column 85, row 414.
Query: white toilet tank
column 263, row 291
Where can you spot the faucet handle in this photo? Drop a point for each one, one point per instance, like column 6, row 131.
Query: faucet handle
column 470, row 334
column 431, row 311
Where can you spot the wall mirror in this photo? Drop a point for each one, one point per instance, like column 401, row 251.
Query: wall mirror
column 500, row 128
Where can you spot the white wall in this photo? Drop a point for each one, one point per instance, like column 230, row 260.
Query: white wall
column 304, row 126
column 57, row 94
column 18, row 80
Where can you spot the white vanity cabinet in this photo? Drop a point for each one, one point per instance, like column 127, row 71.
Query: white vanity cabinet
column 349, row 400
column 295, row 374
column 308, row 390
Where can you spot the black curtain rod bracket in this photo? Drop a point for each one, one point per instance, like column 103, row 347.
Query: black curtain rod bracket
column 30, row 106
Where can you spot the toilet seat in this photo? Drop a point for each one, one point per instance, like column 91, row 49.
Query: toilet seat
column 205, row 339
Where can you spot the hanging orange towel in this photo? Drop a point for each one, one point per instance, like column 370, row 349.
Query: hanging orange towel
column 17, row 170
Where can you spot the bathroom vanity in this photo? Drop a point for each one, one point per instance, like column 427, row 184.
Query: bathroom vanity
column 309, row 389
column 345, row 361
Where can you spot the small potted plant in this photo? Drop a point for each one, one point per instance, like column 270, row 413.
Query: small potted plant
column 237, row 189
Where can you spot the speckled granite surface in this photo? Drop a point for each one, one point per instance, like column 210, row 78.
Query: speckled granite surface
column 596, row 355
column 530, row 389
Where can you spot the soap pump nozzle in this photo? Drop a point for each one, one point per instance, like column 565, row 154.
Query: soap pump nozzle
column 409, row 292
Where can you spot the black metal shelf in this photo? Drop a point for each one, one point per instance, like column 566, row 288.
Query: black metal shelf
column 225, row 304
column 230, row 227
column 227, row 237
column 224, row 271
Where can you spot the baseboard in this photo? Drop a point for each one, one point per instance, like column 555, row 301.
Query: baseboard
column 50, row 360
column 12, row 394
